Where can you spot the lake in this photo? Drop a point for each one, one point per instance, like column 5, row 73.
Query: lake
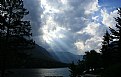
column 53, row 72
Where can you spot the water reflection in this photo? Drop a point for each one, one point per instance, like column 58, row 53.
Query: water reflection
column 60, row 72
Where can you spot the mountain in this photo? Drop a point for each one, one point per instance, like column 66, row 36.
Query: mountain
column 66, row 57
column 39, row 52
column 42, row 58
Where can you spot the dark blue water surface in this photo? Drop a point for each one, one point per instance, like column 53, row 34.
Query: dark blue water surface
column 53, row 72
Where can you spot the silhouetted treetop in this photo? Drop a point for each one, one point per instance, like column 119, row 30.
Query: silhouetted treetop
column 13, row 27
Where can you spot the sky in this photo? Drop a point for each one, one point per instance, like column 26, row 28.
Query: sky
column 72, row 26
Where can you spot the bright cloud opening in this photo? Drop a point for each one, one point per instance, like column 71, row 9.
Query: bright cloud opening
column 70, row 25
column 108, row 18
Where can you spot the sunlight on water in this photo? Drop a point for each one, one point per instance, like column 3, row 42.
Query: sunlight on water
column 59, row 72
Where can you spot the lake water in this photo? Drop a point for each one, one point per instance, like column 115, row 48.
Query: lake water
column 53, row 72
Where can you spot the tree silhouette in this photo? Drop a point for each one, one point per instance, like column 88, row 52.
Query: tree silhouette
column 15, row 29
column 15, row 32
column 110, row 51
column 77, row 69
column 92, row 60
column 73, row 70
column 80, row 67
column 108, row 58
column 106, row 49
column 116, row 36
column 91, row 63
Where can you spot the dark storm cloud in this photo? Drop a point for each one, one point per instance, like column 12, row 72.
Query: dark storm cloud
column 35, row 11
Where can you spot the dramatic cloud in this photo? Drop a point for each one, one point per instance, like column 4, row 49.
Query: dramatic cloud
column 70, row 17
column 69, row 25
column 108, row 18
column 35, row 10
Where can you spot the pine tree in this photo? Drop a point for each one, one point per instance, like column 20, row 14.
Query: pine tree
column 111, row 44
column 105, row 42
column 105, row 50
column 15, row 31
column 116, row 36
